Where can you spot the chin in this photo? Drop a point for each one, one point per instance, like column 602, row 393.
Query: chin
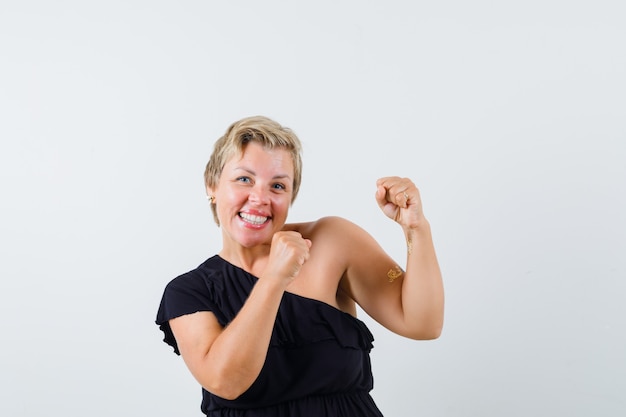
column 250, row 241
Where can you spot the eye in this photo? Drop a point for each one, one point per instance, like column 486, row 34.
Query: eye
column 243, row 179
column 279, row 186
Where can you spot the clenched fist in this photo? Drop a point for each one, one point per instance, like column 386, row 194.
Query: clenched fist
column 400, row 200
column 289, row 251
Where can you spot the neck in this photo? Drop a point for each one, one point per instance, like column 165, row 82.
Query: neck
column 252, row 260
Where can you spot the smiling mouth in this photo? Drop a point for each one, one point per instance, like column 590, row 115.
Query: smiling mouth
column 252, row 219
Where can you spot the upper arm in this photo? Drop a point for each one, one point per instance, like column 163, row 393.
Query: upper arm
column 371, row 277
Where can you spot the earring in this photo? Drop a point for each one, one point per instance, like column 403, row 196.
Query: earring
column 211, row 199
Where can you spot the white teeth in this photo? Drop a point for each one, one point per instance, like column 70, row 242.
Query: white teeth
column 253, row 219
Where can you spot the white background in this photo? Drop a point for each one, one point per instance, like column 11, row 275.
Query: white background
column 509, row 116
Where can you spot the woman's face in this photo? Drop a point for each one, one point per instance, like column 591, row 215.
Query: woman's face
column 253, row 195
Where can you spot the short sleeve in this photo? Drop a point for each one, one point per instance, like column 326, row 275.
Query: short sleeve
column 186, row 294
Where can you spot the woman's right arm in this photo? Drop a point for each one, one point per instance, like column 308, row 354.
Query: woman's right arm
column 227, row 360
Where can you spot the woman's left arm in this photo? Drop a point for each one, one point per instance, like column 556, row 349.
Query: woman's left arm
column 409, row 303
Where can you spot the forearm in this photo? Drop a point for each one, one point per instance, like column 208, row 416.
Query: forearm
column 236, row 357
column 422, row 288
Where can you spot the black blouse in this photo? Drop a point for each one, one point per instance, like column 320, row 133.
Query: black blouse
column 318, row 360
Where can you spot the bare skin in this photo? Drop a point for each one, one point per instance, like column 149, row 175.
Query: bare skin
column 331, row 260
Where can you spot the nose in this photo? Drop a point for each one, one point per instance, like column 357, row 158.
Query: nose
column 259, row 195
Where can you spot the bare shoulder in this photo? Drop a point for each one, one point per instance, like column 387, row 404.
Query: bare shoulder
column 331, row 236
column 324, row 226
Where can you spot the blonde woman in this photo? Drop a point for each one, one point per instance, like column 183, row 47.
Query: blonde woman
column 268, row 325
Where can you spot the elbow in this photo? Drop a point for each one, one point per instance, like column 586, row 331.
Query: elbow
column 433, row 333
column 227, row 384
column 435, row 330
column 226, row 389
column 430, row 329
column 227, row 379
column 229, row 395
column 425, row 334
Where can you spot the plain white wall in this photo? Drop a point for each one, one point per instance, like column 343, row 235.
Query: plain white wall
column 508, row 115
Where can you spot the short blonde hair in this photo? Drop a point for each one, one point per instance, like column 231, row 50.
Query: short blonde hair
column 262, row 130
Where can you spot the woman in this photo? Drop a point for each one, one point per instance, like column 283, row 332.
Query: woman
column 268, row 326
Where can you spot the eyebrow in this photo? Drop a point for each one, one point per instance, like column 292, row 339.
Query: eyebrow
column 251, row 172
